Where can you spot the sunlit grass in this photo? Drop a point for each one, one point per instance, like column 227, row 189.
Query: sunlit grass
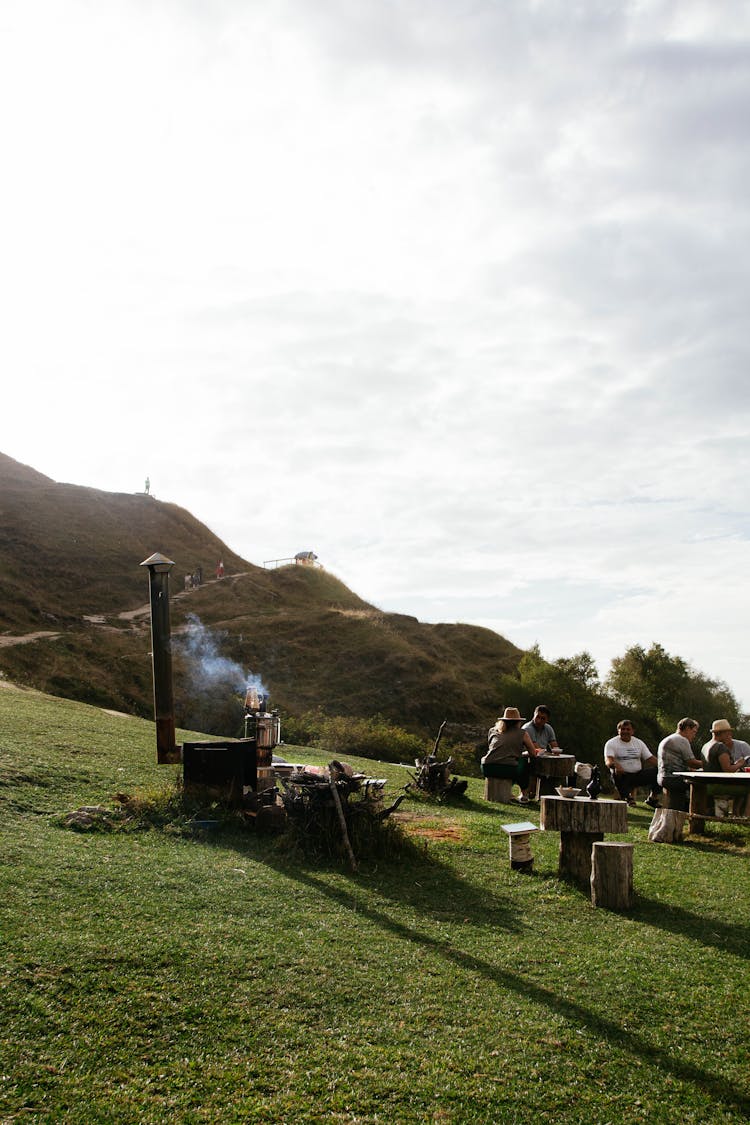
column 152, row 976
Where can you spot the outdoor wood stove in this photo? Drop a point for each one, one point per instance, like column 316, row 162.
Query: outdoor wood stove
column 235, row 771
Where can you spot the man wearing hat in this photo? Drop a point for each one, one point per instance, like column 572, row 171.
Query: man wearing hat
column 723, row 753
column 509, row 751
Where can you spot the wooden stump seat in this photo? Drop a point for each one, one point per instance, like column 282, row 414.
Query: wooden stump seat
column 612, row 875
column 581, row 823
column 498, row 789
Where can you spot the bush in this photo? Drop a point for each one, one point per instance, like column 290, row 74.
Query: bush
column 340, row 735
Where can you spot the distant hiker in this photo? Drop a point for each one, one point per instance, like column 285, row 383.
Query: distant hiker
column 220, row 569
column 188, row 581
column 147, row 486
column 198, row 576
column 631, row 765
column 509, row 751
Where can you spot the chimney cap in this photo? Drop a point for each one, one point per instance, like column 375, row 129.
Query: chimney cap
column 160, row 563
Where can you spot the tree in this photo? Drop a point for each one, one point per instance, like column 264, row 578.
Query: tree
column 580, row 667
column 666, row 689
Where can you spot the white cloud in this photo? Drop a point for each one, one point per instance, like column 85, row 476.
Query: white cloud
column 459, row 313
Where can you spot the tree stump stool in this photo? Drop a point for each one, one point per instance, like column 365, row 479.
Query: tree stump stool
column 498, row 789
column 612, row 875
column 581, row 823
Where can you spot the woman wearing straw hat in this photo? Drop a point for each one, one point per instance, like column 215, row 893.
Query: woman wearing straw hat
column 510, row 751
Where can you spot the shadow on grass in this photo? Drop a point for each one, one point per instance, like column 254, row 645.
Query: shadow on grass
column 429, row 887
column 719, row 1087
column 727, row 937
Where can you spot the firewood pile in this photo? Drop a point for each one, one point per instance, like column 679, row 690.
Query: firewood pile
column 331, row 808
column 434, row 777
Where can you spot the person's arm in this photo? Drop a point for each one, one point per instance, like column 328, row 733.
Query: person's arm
column 727, row 765
column 529, row 745
column 612, row 763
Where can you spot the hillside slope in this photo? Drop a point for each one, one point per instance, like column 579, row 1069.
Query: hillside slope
column 72, row 589
column 66, row 550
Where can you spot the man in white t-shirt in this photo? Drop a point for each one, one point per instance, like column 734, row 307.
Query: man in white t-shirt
column 632, row 765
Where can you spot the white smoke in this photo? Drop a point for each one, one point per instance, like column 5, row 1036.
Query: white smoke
column 208, row 668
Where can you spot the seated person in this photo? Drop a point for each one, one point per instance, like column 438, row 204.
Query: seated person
column 509, row 751
column 631, row 765
column 544, row 738
column 723, row 754
column 540, row 732
column 675, row 755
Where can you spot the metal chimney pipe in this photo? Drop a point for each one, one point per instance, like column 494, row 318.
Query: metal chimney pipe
column 161, row 655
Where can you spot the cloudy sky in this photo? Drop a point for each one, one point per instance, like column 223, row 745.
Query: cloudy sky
column 454, row 294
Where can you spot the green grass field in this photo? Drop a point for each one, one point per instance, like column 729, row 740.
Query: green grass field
column 150, row 977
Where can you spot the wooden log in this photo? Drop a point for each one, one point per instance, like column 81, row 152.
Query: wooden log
column 575, row 856
column 580, row 814
column 342, row 824
column 698, row 809
column 499, row 789
column 554, row 765
column 612, row 875
column 581, row 823
column 666, row 826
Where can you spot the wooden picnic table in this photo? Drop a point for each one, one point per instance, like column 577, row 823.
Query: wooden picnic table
column 581, row 822
column 557, row 767
column 699, row 781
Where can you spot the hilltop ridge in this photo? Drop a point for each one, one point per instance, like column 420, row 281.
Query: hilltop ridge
column 72, row 588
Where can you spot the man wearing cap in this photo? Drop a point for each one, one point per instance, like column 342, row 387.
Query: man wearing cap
column 632, row 765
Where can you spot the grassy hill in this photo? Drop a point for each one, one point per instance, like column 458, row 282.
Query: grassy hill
column 66, row 551
column 69, row 570
column 158, row 975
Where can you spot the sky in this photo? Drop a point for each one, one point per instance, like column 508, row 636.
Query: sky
column 453, row 294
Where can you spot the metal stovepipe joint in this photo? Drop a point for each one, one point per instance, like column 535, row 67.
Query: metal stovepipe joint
column 161, row 656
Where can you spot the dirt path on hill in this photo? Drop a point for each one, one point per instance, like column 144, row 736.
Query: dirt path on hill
column 6, row 641
column 136, row 616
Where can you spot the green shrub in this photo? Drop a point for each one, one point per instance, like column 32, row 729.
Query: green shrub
column 341, row 735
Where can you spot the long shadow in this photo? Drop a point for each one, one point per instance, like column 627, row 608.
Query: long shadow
column 433, row 889
column 727, row 937
column 719, row 1087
